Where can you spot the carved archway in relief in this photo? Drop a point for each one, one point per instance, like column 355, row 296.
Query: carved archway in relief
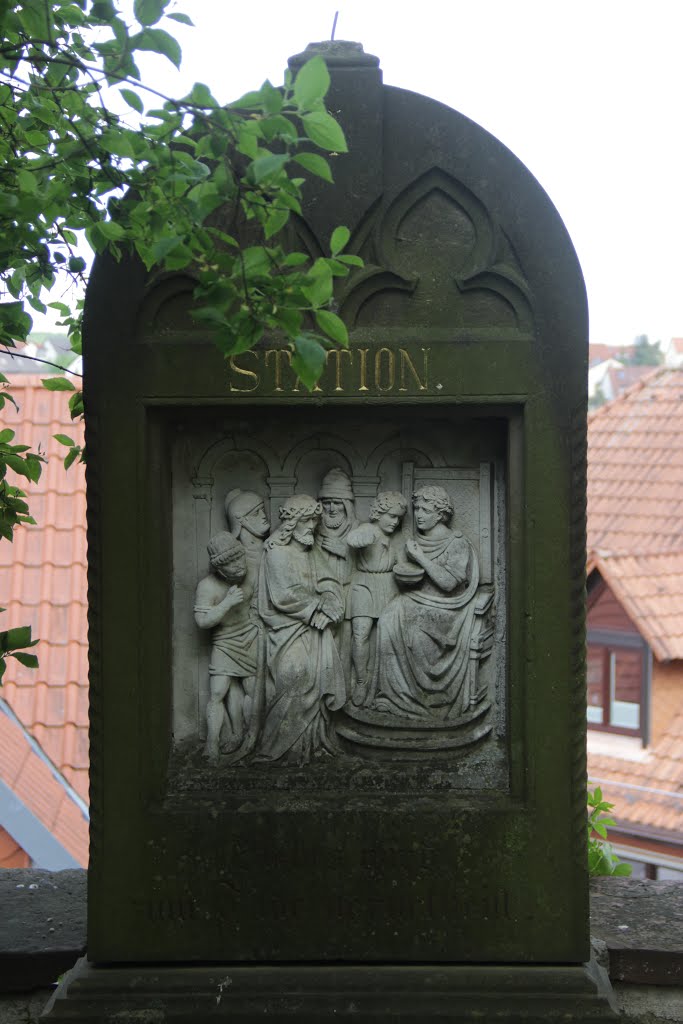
column 165, row 309
column 322, row 442
column 395, row 446
column 216, row 451
column 474, row 280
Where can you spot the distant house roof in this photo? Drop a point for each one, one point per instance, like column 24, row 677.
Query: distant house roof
column 635, row 542
column 650, row 590
column 648, row 792
column 43, row 584
column 598, row 353
column 635, row 469
column 38, row 808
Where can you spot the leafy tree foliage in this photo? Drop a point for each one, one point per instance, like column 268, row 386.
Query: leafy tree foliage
column 150, row 181
column 645, row 352
column 602, row 860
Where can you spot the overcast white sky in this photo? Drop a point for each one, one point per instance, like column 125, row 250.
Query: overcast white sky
column 587, row 93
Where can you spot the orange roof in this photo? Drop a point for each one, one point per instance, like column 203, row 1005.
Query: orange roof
column 635, row 469
column 44, row 815
column 646, row 793
column 43, row 584
column 650, row 590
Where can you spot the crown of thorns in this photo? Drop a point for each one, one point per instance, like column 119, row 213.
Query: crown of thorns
column 298, row 506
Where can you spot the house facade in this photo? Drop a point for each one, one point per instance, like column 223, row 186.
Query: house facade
column 635, row 618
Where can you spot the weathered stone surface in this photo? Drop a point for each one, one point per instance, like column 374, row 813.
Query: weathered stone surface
column 42, row 925
column 466, row 374
column 309, row 995
column 641, row 923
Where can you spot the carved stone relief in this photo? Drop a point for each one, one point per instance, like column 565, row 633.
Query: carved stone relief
column 351, row 606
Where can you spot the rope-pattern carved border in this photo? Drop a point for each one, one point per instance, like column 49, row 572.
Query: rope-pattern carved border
column 577, row 554
column 92, row 479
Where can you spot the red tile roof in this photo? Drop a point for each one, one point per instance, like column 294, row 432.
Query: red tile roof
column 650, row 590
column 635, row 541
column 646, row 793
column 635, row 469
column 41, row 789
column 43, row 584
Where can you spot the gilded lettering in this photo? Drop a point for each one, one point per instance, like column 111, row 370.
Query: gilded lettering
column 406, row 363
column 338, row 353
column 242, row 371
column 389, row 366
column 277, row 354
column 363, row 353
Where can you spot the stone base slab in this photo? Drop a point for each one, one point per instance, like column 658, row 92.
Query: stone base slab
column 187, row 994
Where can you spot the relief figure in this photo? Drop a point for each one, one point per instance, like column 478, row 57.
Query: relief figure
column 333, row 555
column 424, row 635
column 299, row 609
column 247, row 521
column 373, row 584
column 223, row 603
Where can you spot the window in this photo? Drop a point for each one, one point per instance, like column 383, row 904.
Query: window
column 616, row 683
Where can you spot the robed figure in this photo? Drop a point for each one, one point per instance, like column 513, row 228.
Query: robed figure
column 305, row 676
column 424, row 634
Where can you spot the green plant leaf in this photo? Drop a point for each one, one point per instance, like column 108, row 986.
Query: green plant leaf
column 148, row 12
column 157, row 40
column 133, row 100
column 311, row 84
column 339, row 239
column 57, row 384
column 11, row 639
column 64, row 439
column 308, row 360
column 29, row 660
column 322, row 129
column 331, row 325
column 314, row 163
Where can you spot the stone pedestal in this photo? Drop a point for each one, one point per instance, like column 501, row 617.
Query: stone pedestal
column 457, row 994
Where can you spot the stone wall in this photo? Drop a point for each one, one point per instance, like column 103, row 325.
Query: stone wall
column 636, row 928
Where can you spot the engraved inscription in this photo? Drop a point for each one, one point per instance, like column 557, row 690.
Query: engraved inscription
column 347, row 371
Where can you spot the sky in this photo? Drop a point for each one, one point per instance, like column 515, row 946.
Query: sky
column 587, row 93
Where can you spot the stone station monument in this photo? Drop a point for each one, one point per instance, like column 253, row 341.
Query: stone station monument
column 336, row 640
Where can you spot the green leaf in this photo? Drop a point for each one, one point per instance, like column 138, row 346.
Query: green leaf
column 265, row 167
column 311, row 84
column 275, row 221
column 57, row 384
column 16, row 463
column 111, row 230
column 331, row 325
column 148, row 12
column 184, row 19
column 11, row 639
column 352, row 261
column 158, row 41
column 317, row 285
column 340, row 237
column 295, row 259
column 622, row 870
column 314, row 163
column 29, row 660
column 27, row 182
column 64, row 439
column 201, row 95
column 71, row 457
column 322, row 129
column 133, row 100
column 6, row 435
column 272, row 98
column 308, row 360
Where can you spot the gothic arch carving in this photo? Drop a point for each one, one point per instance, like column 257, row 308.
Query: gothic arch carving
column 434, row 246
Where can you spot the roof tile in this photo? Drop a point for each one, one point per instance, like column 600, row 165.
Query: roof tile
column 46, row 585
